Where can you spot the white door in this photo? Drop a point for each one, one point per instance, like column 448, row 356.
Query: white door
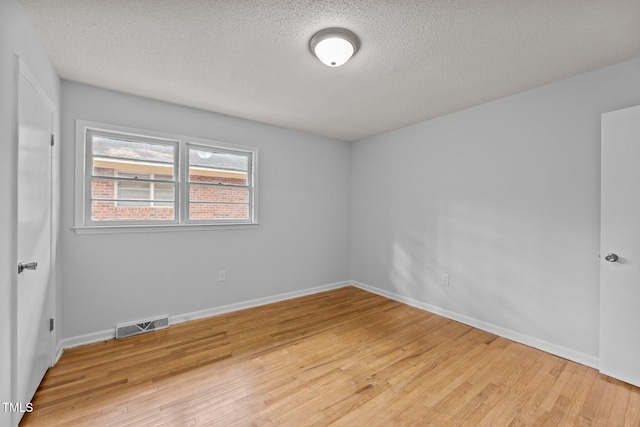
column 34, row 236
column 620, row 246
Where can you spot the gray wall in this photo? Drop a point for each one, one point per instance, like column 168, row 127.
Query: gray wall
column 504, row 197
column 16, row 38
column 302, row 240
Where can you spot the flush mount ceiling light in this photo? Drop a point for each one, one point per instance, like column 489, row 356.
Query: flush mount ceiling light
column 334, row 46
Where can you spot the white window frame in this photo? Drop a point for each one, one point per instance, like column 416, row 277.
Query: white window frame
column 85, row 225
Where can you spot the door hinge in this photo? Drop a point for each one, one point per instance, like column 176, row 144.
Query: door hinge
column 50, row 325
column 53, row 140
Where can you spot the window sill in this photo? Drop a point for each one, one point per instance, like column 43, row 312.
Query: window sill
column 113, row 229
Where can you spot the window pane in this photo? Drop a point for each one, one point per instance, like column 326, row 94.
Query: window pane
column 110, row 211
column 103, row 189
column 218, row 160
column 131, row 200
column 163, row 192
column 113, row 156
column 122, row 148
column 213, row 177
column 218, row 167
column 132, row 190
column 136, row 190
column 210, row 193
column 213, row 211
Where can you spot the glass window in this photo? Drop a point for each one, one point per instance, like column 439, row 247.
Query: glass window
column 219, row 184
column 132, row 177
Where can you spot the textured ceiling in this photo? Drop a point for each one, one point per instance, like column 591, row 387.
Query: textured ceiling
column 250, row 58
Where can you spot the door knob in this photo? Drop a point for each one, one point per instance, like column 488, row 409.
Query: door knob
column 22, row 266
column 611, row 257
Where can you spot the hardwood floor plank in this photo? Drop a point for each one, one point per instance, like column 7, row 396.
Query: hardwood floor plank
column 592, row 402
column 620, row 403
column 344, row 357
column 536, row 392
column 513, row 390
column 632, row 415
column 575, row 393
column 604, row 414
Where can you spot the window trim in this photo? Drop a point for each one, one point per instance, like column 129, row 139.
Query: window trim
column 84, row 225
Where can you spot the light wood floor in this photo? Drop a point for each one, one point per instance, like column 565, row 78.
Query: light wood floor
column 345, row 357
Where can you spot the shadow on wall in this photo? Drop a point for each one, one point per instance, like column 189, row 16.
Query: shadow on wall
column 503, row 269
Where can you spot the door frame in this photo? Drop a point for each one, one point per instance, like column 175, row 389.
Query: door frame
column 21, row 69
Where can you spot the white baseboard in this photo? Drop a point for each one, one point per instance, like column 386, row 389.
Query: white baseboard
column 58, row 353
column 86, row 339
column 558, row 350
column 179, row 318
column 253, row 303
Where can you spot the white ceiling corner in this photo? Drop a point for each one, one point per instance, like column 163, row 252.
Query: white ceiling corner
column 250, row 58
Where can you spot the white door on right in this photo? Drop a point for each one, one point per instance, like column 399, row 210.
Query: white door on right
column 620, row 246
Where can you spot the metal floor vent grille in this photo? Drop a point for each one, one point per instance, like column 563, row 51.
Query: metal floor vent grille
column 129, row 329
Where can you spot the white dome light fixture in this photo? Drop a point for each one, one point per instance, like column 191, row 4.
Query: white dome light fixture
column 334, row 46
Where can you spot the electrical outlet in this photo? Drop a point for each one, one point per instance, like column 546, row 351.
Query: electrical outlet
column 222, row 276
column 445, row 279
